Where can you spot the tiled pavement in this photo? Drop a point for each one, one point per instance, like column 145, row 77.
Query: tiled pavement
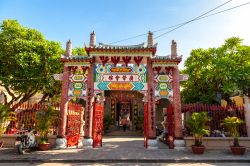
column 115, row 149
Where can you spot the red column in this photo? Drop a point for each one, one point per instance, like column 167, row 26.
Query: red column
column 89, row 102
column 177, row 104
column 170, row 126
column 151, row 102
column 145, row 104
column 98, row 113
column 64, row 101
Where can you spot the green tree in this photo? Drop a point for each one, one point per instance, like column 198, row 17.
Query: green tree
column 79, row 51
column 217, row 73
column 28, row 62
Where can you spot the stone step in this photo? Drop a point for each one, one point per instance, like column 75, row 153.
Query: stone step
column 123, row 133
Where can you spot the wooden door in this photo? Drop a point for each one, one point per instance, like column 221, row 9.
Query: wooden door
column 98, row 124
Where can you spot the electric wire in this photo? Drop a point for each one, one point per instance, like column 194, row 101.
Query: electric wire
column 198, row 18
column 184, row 23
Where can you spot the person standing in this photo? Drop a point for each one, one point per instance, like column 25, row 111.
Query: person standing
column 124, row 123
column 164, row 124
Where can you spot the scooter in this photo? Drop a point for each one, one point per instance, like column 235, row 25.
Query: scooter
column 25, row 142
column 158, row 131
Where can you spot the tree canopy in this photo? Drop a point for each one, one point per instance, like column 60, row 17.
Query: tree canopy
column 79, row 51
column 217, row 73
column 28, row 62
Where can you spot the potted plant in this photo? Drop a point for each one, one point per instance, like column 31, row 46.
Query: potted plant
column 107, row 121
column 197, row 125
column 6, row 115
column 139, row 123
column 45, row 118
column 232, row 124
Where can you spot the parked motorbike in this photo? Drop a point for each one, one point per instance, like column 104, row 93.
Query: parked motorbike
column 217, row 133
column 158, row 131
column 26, row 141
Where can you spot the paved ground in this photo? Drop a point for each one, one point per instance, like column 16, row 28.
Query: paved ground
column 124, row 150
column 125, row 164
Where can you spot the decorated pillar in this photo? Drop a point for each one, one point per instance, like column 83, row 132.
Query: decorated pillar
column 151, row 102
column 61, row 141
column 88, row 141
column 64, row 103
column 89, row 104
column 64, row 95
column 178, row 142
column 145, row 122
column 152, row 143
column 177, row 104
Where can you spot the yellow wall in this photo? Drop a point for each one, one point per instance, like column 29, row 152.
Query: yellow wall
column 237, row 99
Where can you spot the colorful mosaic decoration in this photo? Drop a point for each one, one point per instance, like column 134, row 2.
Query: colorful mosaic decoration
column 163, row 86
column 113, row 109
column 109, row 77
column 135, row 113
column 77, row 85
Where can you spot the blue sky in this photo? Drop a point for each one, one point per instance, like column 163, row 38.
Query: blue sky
column 113, row 20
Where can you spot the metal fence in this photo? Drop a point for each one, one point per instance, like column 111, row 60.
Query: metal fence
column 216, row 113
column 25, row 118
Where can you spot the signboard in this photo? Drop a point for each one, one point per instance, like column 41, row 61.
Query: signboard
column 77, row 85
column 163, row 86
column 109, row 77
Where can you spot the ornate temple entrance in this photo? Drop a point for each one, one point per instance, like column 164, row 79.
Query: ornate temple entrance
column 121, row 81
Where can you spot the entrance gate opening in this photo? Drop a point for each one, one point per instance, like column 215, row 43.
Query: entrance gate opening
column 124, row 104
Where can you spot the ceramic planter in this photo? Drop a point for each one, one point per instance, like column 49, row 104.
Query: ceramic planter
column 198, row 149
column 44, row 147
column 238, row 150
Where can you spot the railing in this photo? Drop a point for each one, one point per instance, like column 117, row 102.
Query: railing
column 25, row 118
column 217, row 113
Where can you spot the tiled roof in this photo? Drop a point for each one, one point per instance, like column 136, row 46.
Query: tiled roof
column 102, row 45
column 168, row 57
column 75, row 57
column 122, row 47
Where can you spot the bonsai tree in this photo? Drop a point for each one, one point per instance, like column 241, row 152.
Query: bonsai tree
column 232, row 124
column 197, row 125
column 45, row 118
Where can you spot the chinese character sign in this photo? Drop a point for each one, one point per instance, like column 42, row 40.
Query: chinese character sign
column 109, row 77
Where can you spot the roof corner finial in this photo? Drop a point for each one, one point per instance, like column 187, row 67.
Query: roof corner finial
column 150, row 39
column 173, row 49
column 68, row 48
column 92, row 39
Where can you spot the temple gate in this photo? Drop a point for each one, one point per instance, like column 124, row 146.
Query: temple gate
column 112, row 68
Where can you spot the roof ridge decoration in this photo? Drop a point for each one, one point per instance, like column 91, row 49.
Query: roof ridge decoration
column 102, row 45
column 110, row 46
column 167, row 57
